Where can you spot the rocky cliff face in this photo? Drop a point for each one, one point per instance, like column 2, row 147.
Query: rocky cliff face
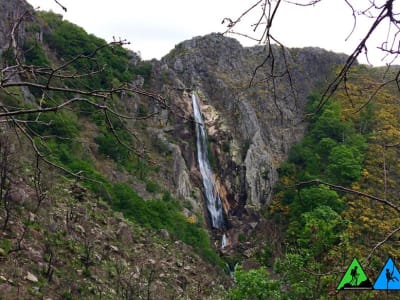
column 250, row 130
column 10, row 13
column 251, row 127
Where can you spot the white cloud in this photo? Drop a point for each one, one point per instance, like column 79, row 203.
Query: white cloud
column 154, row 27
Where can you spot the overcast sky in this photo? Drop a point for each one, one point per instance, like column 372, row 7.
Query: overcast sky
column 155, row 27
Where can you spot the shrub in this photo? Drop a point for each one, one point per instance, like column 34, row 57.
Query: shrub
column 110, row 147
column 70, row 41
column 345, row 164
column 255, row 284
column 152, row 187
column 162, row 214
column 62, row 124
column 34, row 54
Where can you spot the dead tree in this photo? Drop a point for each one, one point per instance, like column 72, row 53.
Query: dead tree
column 57, row 79
column 384, row 15
column 5, row 178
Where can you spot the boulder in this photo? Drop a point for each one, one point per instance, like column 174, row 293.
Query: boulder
column 124, row 233
column 30, row 277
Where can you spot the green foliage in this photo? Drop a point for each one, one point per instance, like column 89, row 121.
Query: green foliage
column 160, row 145
column 226, row 148
column 137, row 167
column 162, row 214
column 325, row 147
column 70, row 41
column 345, row 164
column 241, row 237
column 305, row 158
column 331, row 150
column 62, row 143
column 143, row 69
column 6, row 245
column 312, row 215
column 110, row 147
column 287, row 169
column 142, row 111
column 114, row 143
column 62, row 124
column 154, row 214
column 310, row 198
column 255, row 284
column 266, row 256
column 152, row 187
column 299, row 283
column 34, row 54
column 329, row 124
column 67, row 295
column 12, row 98
column 167, row 196
column 8, row 57
column 321, row 230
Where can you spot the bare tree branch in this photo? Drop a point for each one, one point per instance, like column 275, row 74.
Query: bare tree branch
column 368, row 259
column 381, row 12
column 348, row 191
column 49, row 80
column 63, row 7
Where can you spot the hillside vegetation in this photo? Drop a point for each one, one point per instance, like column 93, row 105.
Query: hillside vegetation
column 329, row 201
column 94, row 238
column 101, row 199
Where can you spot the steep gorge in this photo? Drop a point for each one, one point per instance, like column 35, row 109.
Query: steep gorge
column 250, row 128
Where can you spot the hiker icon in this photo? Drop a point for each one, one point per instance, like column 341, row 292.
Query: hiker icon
column 354, row 276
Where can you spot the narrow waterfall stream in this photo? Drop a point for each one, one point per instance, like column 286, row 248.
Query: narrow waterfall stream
column 224, row 241
column 214, row 204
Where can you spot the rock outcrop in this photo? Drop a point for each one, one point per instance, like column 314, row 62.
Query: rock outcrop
column 10, row 12
column 253, row 117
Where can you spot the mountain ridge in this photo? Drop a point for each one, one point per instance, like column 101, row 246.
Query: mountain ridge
column 252, row 119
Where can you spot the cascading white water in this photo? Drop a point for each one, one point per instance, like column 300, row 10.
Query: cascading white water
column 224, row 241
column 231, row 270
column 214, row 205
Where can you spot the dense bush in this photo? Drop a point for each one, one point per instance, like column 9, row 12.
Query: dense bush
column 110, row 147
column 70, row 41
column 255, row 284
column 333, row 151
column 60, row 124
column 143, row 69
column 34, row 54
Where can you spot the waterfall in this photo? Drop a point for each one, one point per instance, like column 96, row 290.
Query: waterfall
column 214, row 205
column 231, row 269
column 224, row 241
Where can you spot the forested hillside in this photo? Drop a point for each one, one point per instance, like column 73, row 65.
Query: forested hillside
column 336, row 198
column 102, row 196
column 77, row 166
